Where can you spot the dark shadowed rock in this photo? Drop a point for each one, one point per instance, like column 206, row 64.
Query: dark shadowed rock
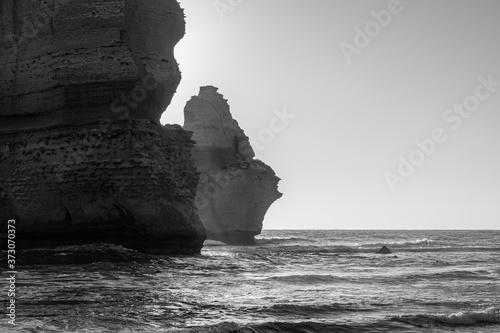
column 83, row 157
column 235, row 190
column 384, row 250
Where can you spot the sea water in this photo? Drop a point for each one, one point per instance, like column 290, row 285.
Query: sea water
column 291, row 281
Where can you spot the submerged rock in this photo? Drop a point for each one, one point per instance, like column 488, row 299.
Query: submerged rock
column 235, row 190
column 83, row 157
column 384, row 250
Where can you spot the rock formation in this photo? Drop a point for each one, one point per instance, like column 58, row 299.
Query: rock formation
column 384, row 250
column 235, row 190
column 83, row 157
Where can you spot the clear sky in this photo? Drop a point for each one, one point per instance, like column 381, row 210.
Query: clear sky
column 355, row 84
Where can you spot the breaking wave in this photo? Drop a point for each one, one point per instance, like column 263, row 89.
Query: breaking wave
column 406, row 243
column 279, row 240
column 487, row 316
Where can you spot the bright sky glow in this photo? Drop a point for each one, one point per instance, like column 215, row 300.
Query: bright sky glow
column 353, row 120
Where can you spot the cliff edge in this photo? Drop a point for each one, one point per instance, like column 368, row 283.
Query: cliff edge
column 235, row 190
column 83, row 157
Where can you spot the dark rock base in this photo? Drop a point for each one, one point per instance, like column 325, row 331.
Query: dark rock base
column 130, row 183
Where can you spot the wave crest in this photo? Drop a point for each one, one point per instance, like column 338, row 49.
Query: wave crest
column 279, row 240
column 421, row 241
column 487, row 316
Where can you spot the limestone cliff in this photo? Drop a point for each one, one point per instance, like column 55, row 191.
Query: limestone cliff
column 235, row 190
column 83, row 157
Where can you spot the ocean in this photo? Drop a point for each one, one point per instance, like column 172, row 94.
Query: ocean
column 292, row 281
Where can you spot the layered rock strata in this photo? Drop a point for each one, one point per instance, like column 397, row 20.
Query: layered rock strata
column 235, row 190
column 83, row 157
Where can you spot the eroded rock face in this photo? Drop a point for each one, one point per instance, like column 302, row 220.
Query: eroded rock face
column 83, row 157
column 71, row 60
column 235, row 190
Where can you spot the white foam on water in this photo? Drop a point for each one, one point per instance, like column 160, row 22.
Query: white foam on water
column 489, row 315
column 421, row 241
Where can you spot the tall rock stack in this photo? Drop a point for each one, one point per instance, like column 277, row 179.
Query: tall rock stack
column 235, row 190
column 83, row 157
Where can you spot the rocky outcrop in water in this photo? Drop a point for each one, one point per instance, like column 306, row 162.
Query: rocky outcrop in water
column 235, row 190
column 83, row 157
column 384, row 250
